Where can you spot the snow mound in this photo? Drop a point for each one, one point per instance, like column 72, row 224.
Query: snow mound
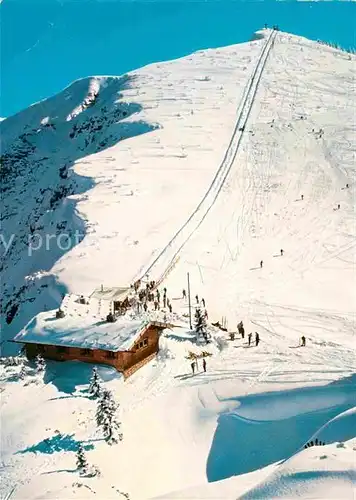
column 341, row 428
column 318, row 472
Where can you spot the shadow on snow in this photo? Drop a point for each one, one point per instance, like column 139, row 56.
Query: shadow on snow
column 67, row 376
column 266, row 428
column 57, row 443
column 41, row 145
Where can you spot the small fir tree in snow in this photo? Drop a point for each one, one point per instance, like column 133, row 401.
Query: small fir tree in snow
column 82, row 463
column 95, row 388
column 40, row 364
column 200, row 322
column 23, row 372
column 106, row 417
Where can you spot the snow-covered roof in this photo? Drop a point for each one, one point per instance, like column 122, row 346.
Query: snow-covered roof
column 112, row 294
column 81, row 331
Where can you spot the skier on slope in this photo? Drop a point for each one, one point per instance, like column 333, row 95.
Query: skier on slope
column 184, row 294
column 282, row 251
column 249, row 338
column 193, row 367
column 203, row 302
column 303, row 341
column 204, row 365
column 261, row 264
column 257, row 338
column 197, row 299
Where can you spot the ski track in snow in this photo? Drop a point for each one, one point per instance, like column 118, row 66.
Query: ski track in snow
column 222, row 173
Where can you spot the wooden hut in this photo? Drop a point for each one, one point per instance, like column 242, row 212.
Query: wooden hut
column 126, row 345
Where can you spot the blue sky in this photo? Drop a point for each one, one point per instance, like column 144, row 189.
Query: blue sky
column 47, row 44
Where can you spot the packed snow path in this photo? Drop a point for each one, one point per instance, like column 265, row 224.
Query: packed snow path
column 166, row 257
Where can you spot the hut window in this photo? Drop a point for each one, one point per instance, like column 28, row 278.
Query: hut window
column 110, row 355
column 61, row 349
column 86, row 352
column 142, row 344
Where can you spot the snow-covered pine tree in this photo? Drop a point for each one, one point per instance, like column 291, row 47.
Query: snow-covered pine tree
column 200, row 321
column 95, row 387
column 23, row 372
column 106, row 417
column 40, row 364
column 82, row 464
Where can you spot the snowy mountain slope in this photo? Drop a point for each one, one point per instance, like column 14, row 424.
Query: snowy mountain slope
column 168, row 255
column 40, row 190
column 195, row 106
column 311, row 288
column 248, row 418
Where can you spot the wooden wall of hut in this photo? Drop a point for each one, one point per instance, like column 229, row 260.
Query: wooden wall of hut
column 145, row 348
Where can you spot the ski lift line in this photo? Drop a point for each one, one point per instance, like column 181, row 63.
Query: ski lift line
column 167, row 271
column 219, row 179
column 260, row 65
